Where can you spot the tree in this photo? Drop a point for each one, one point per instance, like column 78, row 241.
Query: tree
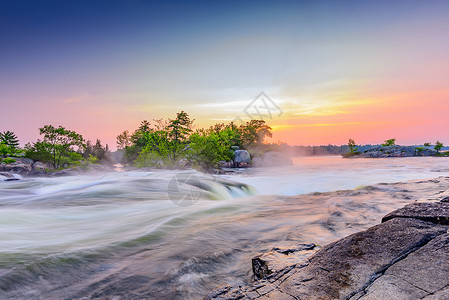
column 57, row 146
column 96, row 150
column 427, row 145
column 124, row 140
column 178, row 129
column 9, row 139
column 254, row 132
column 4, row 149
column 144, row 126
column 390, row 142
column 419, row 150
column 438, row 146
column 208, row 148
column 352, row 147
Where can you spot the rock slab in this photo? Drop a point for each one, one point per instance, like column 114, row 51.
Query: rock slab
column 405, row 257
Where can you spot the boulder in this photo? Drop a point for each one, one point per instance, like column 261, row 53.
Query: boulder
column 435, row 212
column 241, row 158
column 20, row 166
column 405, row 257
column 39, row 166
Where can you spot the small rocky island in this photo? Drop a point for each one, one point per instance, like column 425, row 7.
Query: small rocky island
column 393, row 151
column 404, row 257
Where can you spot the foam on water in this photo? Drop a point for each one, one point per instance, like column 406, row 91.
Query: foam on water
column 181, row 233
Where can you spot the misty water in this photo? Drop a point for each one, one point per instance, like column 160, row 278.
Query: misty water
column 180, row 234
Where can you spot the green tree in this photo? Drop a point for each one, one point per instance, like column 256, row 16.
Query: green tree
column 390, row 142
column 419, row 150
column 124, row 140
column 438, row 146
column 57, row 146
column 208, row 148
column 179, row 129
column 5, row 150
column 254, row 132
column 10, row 139
column 352, row 147
column 96, row 150
column 427, row 145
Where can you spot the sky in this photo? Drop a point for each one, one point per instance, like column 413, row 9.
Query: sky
column 329, row 70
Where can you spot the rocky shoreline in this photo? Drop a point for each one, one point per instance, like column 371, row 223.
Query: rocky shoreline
column 404, row 257
column 393, row 151
column 25, row 167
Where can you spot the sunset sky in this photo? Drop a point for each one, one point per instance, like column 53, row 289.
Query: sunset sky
column 366, row 70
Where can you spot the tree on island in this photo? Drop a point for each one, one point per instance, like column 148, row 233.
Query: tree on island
column 57, row 146
column 207, row 148
column 438, row 146
column 163, row 145
column 124, row 140
column 9, row 139
column 96, row 152
column 173, row 143
column 390, row 142
column 352, row 147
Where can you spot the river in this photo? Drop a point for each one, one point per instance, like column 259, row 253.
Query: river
column 180, row 234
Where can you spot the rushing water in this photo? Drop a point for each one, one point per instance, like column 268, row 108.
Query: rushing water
column 177, row 235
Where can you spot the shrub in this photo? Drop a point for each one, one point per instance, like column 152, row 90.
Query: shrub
column 9, row 160
column 390, row 142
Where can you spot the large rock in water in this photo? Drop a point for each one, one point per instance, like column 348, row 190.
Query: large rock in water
column 405, row 257
column 241, row 157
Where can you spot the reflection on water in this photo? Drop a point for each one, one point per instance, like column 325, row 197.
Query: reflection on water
column 121, row 234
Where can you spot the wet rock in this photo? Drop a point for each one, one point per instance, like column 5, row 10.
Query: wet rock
column 241, row 158
column 39, row 166
column 8, row 176
column 405, row 257
column 445, row 199
column 280, row 258
column 435, row 212
column 20, row 166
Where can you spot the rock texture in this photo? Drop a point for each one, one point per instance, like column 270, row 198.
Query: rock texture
column 24, row 166
column 395, row 151
column 280, row 258
column 241, row 158
column 405, row 257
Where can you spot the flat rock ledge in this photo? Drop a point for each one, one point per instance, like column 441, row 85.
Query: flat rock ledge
column 404, row 257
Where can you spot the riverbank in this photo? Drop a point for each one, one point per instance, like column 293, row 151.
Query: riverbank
column 404, row 257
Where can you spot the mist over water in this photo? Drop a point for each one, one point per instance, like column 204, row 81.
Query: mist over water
column 330, row 173
column 144, row 234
